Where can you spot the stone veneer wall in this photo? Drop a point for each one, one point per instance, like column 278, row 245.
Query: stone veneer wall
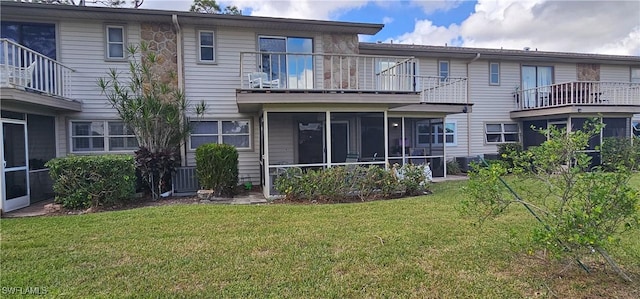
column 162, row 39
column 335, row 43
column 588, row 72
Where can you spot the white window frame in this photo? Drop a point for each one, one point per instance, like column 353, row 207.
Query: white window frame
column 491, row 73
column 440, row 70
column 105, row 136
column 200, row 46
column 107, row 54
column 454, row 134
column 434, row 133
column 220, row 135
column 502, row 133
column 634, row 75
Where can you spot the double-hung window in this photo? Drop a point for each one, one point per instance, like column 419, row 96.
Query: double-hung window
column 115, row 42
column 101, row 136
column 494, row 73
column 207, row 46
column 232, row 132
column 443, row 70
column 635, row 75
column 502, row 132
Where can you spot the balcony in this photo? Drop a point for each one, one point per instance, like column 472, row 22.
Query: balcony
column 342, row 78
column 579, row 96
column 28, row 76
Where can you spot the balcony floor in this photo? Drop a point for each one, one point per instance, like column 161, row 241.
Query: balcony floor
column 13, row 97
column 577, row 109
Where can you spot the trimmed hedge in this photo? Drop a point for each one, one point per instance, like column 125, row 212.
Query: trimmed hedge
column 90, row 181
column 217, row 168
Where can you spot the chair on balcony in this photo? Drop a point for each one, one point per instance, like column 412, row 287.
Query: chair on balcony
column 20, row 76
column 261, row 80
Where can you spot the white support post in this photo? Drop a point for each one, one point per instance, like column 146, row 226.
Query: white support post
column 265, row 158
column 403, row 142
column 328, row 137
column 386, row 140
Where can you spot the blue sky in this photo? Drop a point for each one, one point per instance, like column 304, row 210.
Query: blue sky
column 588, row 26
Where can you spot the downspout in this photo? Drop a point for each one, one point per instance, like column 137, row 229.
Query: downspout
column 469, row 101
column 174, row 18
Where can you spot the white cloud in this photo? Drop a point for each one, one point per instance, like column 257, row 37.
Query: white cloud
column 572, row 26
column 387, row 20
column 431, row 6
column 299, row 9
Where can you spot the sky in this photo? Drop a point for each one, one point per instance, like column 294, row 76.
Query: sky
column 602, row 27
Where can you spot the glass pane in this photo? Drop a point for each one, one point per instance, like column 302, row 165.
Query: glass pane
column 494, row 138
column 116, row 50
column 206, row 39
column 635, row 75
column 200, row 140
column 237, row 141
column 204, row 127
column 13, row 115
column 423, row 139
column 80, row 128
column 206, row 53
column 97, row 128
column 16, row 183
column 123, row 143
column 450, row 128
column 495, row 79
column 235, row 127
column 511, row 127
column 423, row 128
column 494, row 128
column 97, row 144
column 40, row 38
column 449, row 138
column 116, row 128
column 510, row 137
column 80, row 144
column 15, row 153
column 115, row 34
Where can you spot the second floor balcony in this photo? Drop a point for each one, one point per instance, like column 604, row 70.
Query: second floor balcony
column 284, row 72
column 579, row 93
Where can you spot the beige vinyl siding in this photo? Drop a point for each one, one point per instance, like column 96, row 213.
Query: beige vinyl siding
column 81, row 46
column 615, row 73
column 491, row 103
column 565, row 72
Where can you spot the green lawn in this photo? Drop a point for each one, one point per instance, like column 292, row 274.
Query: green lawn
column 418, row 247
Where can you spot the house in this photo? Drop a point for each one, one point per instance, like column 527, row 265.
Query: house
column 287, row 93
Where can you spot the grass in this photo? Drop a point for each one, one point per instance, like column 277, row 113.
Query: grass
column 419, row 247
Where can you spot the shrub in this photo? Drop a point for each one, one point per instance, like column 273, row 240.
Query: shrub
column 507, row 151
column 337, row 184
column 620, row 152
column 412, row 178
column 217, row 168
column 83, row 181
column 156, row 168
column 453, row 167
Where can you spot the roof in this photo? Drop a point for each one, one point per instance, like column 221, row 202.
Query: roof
column 56, row 11
column 497, row 54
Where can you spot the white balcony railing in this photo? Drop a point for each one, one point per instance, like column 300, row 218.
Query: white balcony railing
column 23, row 68
column 312, row 71
column 443, row 90
column 345, row 72
column 578, row 93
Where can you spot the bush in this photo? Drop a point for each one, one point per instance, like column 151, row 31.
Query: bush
column 620, row 152
column 453, row 167
column 83, row 181
column 156, row 168
column 337, row 184
column 507, row 151
column 217, row 168
column 413, row 179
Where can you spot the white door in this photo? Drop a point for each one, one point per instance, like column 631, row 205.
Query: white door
column 15, row 170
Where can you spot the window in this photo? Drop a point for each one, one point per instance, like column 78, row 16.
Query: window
column 293, row 70
column 433, row 133
column 443, row 70
column 232, row 132
column 636, row 128
column 101, row 136
column 635, row 75
column 536, row 85
column 494, row 73
column 206, row 40
column 115, row 42
column 501, row 133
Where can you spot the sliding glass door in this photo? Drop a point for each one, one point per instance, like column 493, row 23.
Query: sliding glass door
column 536, row 81
column 295, row 68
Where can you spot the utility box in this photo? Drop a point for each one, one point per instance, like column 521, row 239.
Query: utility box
column 464, row 162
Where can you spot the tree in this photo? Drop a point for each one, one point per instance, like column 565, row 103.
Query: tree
column 581, row 209
column 212, row 7
column 156, row 112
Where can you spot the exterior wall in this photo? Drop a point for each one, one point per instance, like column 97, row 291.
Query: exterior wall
column 340, row 44
column 615, row 73
column 81, row 46
column 161, row 39
column 564, row 72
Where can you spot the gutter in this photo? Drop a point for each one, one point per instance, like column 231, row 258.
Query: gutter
column 468, row 101
column 180, row 65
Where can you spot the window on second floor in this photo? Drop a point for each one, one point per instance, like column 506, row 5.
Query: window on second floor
column 635, row 75
column 115, row 42
column 443, row 70
column 494, row 73
column 207, row 46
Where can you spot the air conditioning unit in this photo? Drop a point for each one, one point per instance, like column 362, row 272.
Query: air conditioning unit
column 464, row 162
